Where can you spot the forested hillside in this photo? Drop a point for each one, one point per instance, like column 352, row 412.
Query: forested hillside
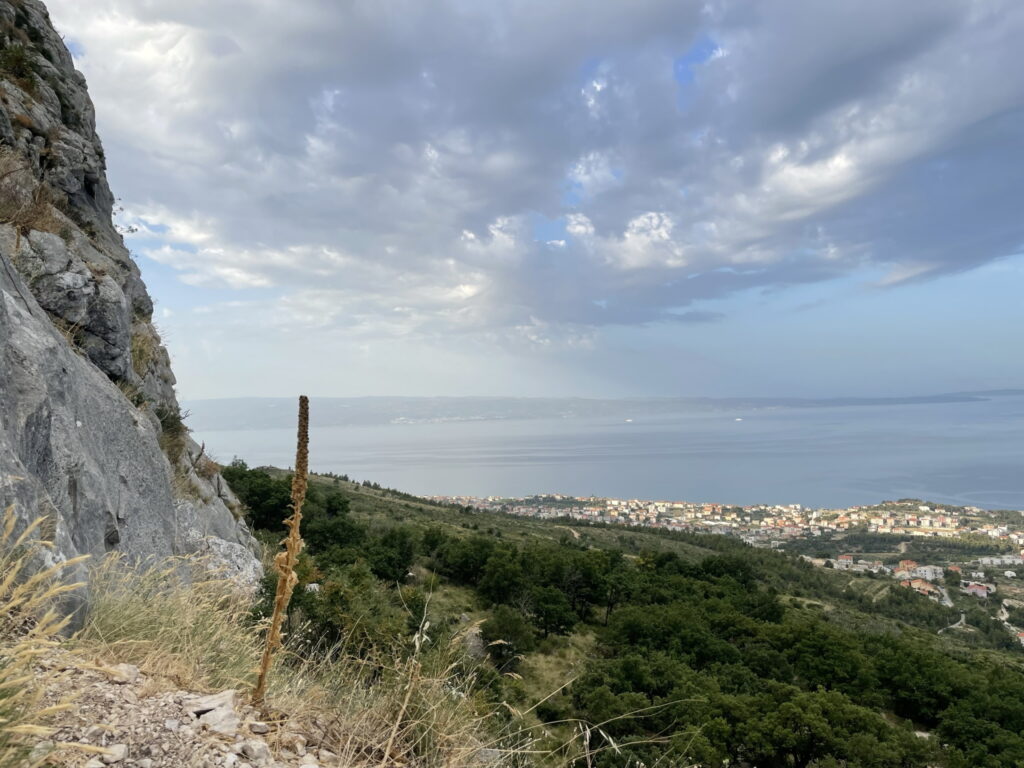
column 672, row 649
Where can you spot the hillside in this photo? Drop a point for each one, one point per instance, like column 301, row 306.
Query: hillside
column 149, row 616
column 433, row 635
column 679, row 647
column 369, row 503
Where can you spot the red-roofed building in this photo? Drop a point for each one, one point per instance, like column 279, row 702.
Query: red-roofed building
column 921, row 586
column 978, row 590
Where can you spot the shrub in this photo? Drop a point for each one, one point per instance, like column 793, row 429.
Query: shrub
column 17, row 62
column 26, row 203
column 508, row 636
column 173, row 432
column 132, row 392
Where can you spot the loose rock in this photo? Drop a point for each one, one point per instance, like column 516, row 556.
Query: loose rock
column 150, row 728
column 115, row 754
column 256, row 750
column 124, row 673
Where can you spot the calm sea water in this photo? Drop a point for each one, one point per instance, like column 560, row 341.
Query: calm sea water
column 958, row 453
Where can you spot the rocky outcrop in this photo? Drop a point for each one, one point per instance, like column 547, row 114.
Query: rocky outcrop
column 91, row 435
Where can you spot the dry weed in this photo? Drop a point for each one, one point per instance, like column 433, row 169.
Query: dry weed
column 285, row 560
column 29, row 622
column 25, row 202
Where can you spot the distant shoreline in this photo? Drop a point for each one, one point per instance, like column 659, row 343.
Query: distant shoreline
column 227, row 414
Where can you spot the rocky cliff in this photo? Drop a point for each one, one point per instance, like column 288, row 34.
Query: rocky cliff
column 91, row 434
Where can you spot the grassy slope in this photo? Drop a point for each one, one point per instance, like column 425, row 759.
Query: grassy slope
column 379, row 508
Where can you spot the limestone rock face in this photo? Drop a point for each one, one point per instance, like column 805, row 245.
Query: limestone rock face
column 90, row 429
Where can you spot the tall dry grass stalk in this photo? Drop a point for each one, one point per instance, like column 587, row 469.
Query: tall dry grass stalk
column 29, row 624
column 285, row 560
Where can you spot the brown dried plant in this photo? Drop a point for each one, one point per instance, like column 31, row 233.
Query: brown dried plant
column 285, row 560
column 29, row 624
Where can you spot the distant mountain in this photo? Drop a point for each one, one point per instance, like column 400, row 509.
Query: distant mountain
column 272, row 413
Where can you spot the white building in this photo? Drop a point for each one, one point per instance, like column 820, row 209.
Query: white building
column 929, row 572
column 1002, row 560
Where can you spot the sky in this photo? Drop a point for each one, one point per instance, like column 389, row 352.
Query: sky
column 652, row 198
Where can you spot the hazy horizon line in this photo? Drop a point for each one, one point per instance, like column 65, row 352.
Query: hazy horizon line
column 979, row 393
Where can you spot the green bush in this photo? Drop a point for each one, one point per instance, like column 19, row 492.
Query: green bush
column 508, row 636
column 17, row 61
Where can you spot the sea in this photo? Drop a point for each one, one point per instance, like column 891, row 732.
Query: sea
column 958, row 453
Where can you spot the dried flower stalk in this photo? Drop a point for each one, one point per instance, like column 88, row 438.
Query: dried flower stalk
column 285, row 560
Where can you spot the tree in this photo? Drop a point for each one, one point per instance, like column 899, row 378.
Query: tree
column 326, row 533
column 551, row 611
column 391, row 554
column 503, row 579
column 266, row 497
column 463, row 560
column 507, row 635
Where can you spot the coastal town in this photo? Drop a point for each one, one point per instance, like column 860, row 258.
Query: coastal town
column 999, row 534
column 765, row 524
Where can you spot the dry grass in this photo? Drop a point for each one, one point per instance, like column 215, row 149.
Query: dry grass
column 402, row 703
column 173, row 433
column 207, row 468
column 205, row 465
column 143, row 349
column 173, row 620
column 28, row 625
column 415, row 704
column 25, row 202
column 73, row 334
column 24, row 121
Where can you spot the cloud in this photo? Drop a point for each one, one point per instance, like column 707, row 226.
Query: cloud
column 376, row 164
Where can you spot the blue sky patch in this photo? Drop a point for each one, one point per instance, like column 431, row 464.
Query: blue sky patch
column 683, row 67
